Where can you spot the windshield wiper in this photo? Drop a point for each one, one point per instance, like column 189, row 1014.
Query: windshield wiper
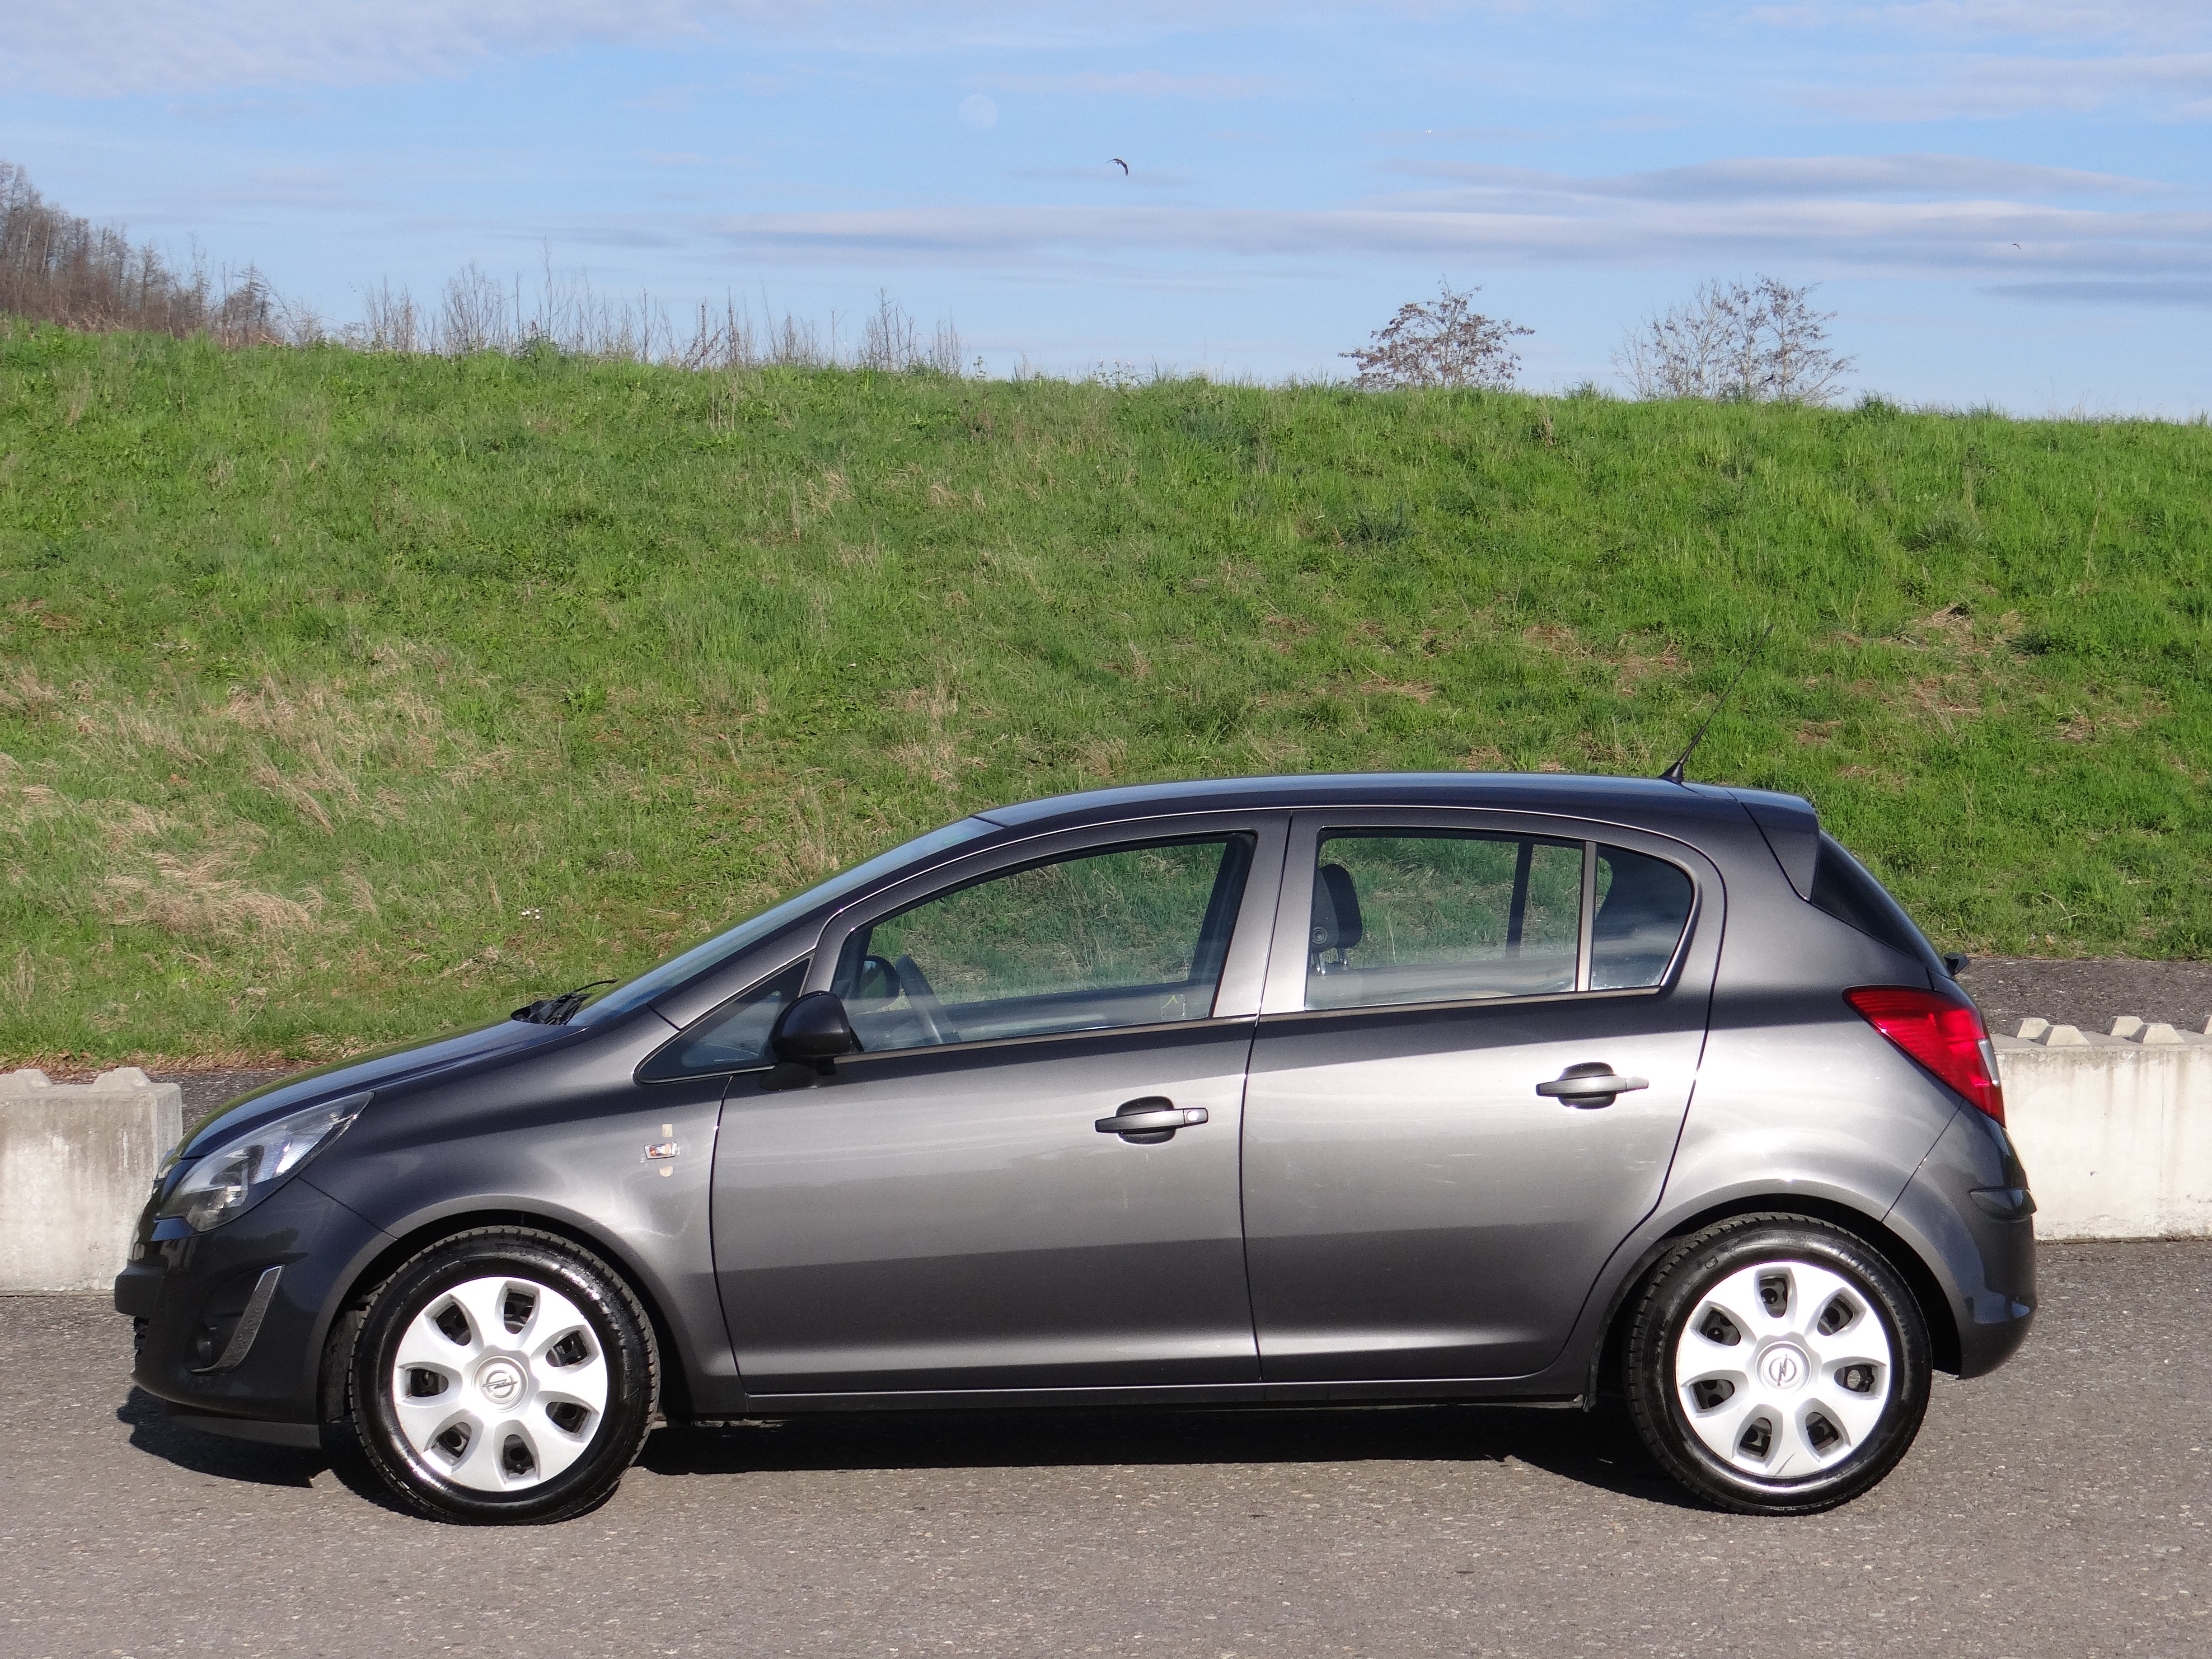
column 554, row 1010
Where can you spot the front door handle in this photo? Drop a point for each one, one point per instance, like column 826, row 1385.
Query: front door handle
column 1590, row 1083
column 1151, row 1119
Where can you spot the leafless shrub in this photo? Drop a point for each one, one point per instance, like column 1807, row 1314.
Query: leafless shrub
column 389, row 322
column 890, row 341
column 1444, row 342
column 474, row 315
column 1757, row 342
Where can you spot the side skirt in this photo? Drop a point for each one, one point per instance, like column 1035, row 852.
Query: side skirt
column 1420, row 1391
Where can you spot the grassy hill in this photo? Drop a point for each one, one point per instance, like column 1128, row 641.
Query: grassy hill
column 344, row 697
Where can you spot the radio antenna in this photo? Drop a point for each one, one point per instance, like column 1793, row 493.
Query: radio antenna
column 1675, row 773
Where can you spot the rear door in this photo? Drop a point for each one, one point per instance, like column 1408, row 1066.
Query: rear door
column 1434, row 1172
column 946, row 1214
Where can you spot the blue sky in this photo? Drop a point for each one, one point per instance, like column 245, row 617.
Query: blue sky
column 2005, row 201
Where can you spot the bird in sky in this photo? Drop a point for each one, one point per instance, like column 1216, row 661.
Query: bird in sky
column 1122, row 164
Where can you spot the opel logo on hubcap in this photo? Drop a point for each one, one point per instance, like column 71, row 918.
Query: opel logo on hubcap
column 1784, row 1367
column 501, row 1382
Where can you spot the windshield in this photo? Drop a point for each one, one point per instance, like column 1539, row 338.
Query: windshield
column 677, row 970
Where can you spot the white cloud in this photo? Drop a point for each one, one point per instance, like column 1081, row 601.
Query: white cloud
column 2174, row 84
column 101, row 48
column 1144, row 83
column 2164, row 23
column 1969, row 238
column 2195, row 294
column 1767, row 178
column 977, row 111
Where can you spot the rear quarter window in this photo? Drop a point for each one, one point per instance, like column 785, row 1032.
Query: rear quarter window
column 1847, row 891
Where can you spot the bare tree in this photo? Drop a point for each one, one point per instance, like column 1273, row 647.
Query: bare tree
column 1757, row 342
column 57, row 268
column 1444, row 342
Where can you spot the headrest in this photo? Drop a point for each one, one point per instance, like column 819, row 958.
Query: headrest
column 1646, row 893
column 1336, row 924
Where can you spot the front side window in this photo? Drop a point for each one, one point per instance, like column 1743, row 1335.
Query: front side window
column 1409, row 915
column 1132, row 935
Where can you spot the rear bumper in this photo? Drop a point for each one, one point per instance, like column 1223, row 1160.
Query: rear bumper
column 1984, row 1262
column 223, row 1336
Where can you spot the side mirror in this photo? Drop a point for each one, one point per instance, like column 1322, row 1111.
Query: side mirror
column 807, row 1038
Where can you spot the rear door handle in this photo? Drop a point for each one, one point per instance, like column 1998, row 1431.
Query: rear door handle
column 1154, row 1118
column 1590, row 1083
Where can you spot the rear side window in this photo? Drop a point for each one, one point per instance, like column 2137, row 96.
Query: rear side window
column 1409, row 915
column 1847, row 891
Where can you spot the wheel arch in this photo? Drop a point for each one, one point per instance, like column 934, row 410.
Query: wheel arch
column 674, row 1402
column 1935, row 1307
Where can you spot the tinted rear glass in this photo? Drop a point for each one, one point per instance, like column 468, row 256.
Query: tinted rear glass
column 1643, row 905
column 1847, row 891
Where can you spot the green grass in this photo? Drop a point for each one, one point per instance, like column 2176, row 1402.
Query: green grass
column 348, row 697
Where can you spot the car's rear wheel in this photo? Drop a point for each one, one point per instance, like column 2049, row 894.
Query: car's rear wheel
column 1777, row 1364
column 504, row 1375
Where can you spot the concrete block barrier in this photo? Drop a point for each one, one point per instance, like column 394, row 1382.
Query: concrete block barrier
column 2115, row 1128
column 77, row 1161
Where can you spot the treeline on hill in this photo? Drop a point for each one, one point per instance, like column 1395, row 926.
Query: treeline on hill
column 57, row 268
column 345, row 696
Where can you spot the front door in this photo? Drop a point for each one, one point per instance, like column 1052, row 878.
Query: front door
column 1433, row 1177
column 946, row 1214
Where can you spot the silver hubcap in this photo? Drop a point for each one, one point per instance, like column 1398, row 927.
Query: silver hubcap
column 1784, row 1369
column 499, row 1384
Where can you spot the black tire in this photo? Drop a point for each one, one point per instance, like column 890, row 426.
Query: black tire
column 579, row 1400
column 1831, row 1389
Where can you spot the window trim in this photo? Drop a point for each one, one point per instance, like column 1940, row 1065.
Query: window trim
column 1285, row 990
column 861, row 1060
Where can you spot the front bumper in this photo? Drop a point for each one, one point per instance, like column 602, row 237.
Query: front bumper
column 222, row 1335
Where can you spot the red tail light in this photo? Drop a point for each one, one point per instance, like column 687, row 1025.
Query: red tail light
column 1947, row 1037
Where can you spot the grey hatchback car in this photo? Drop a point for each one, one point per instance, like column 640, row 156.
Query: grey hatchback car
column 1277, row 1091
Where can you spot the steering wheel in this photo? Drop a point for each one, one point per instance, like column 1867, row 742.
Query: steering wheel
column 923, row 1001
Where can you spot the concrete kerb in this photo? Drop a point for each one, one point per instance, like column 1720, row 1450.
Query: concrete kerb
column 77, row 1161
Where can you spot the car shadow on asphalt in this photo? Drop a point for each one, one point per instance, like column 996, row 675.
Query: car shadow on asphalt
column 153, row 1431
column 1599, row 1449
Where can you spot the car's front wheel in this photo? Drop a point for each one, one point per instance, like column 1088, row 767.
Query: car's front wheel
column 1777, row 1364
column 504, row 1375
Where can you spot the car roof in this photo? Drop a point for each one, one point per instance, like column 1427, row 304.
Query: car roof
column 1643, row 801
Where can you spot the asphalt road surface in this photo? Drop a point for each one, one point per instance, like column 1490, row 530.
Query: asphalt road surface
column 2057, row 1507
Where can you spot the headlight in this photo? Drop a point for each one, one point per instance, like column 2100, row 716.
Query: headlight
column 241, row 1172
